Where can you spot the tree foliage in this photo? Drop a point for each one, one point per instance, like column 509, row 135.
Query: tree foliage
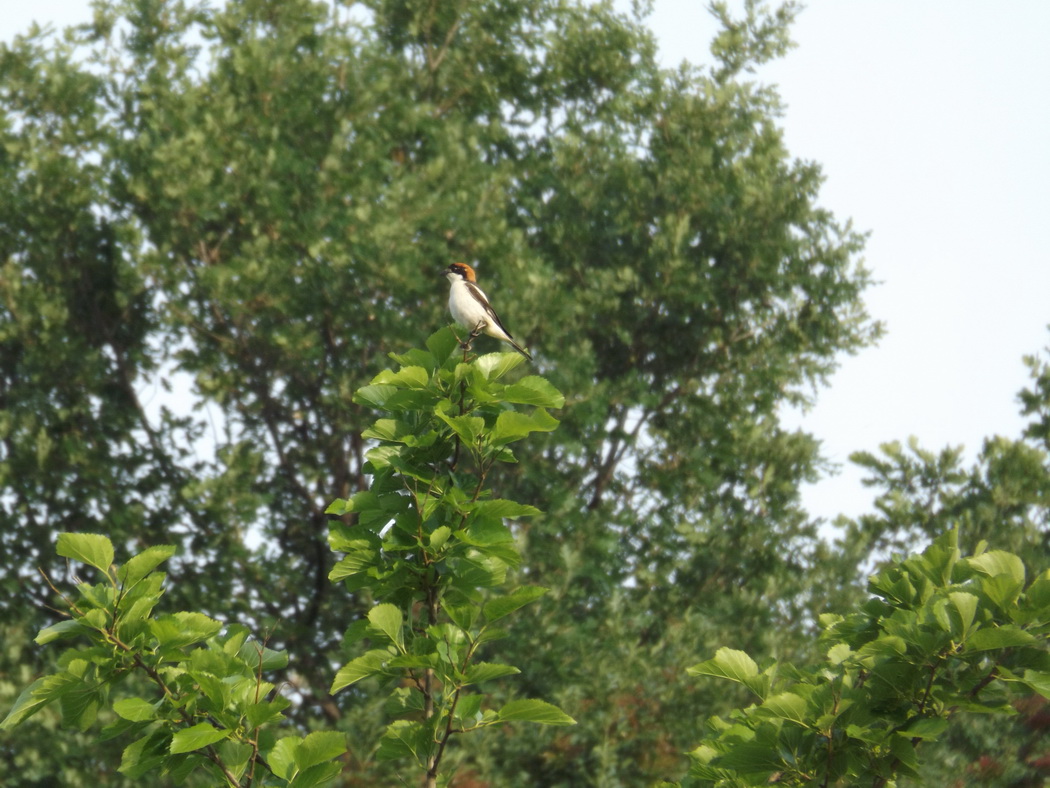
column 1001, row 500
column 942, row 636
column 247, row 205
column 427, row 539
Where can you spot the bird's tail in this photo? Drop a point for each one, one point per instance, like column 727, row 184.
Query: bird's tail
column 521, row 350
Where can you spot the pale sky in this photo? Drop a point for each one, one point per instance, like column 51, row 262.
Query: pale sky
column 931, row 121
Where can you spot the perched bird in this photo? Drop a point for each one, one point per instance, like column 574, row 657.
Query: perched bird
column 471, row 309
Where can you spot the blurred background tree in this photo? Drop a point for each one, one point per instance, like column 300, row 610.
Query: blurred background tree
column 217, row 220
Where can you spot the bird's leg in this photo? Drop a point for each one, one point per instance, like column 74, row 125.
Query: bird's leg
column 463, row 343
column 469, row 341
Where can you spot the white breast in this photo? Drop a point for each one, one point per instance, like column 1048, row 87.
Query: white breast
column 464, row 307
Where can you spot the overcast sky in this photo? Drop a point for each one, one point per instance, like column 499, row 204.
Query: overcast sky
column 931, row 119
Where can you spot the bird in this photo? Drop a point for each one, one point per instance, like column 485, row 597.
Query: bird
column 471, row 308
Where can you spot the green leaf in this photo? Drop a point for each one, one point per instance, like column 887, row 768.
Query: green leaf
column 483, row 571
column 119, row 728
column 490, row 634
column 321, row 774
column 145, row 755
column 494, row 366
column 196, row 737
column 137, row 567
column 999, row 562
column 259, row 657
column 467, row 428
column 966, row 605
column 339, row 507
column 1038, row 681
column 538, row 711
column 925, row 728
column 439, row 536
column 442, row 344
column 374, row 396
column 318, row 747
column 236, row 637
column 359, row 560
column 415, row 357
column 751, row 758
column 462, row 615
column 1038, row 593
column 990, row 638
column 904, row 751
column 409, row 377
column 469, row 707
column 344, row 538
column 839, row 653
column 92, row 549
column 63, row 629
column 218, row 692
column 371, row 663
column 486, row 532
column 1003, row 589
column 512, row 425
column 282, row 757
column 403, row 739
column 234, row 754
column 500, row 606
column 197, row 625
column 80, row 706
column 37, row 695
column 499, row 508
column 387, row 619
column 389, row 430
column 413, row 661
column 533, row 390
column 265, row 712
column 487, row 671
column 374, row 511
column 884, row 646
column 184, row 628
column 866, row 734
column 785, row 705
column 729, row 664
column 135, row 709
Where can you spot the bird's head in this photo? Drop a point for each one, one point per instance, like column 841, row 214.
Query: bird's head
column 460, row 271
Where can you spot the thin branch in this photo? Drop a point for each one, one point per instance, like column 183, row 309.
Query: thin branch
column 434, row 63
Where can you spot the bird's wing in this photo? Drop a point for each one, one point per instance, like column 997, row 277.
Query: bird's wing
column 476, row 292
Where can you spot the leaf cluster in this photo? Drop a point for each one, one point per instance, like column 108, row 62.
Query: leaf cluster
column 428, row 540
column 943, row 635
column 188, row 690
